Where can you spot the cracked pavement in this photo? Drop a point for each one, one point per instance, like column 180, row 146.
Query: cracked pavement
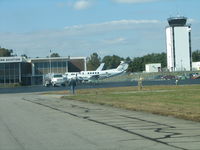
column 70, row 124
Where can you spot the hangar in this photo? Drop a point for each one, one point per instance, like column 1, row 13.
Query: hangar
column 31, row 71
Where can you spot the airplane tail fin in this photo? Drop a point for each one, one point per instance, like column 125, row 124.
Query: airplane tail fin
column 100, row 67
column 122, row 66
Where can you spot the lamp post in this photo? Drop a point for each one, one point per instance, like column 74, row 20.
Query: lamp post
column 50, row 61
column 181, row 65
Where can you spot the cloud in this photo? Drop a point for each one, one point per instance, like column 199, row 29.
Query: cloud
column 112, row 25
column 133, row 1
column 120, row 22
column 120, row 37
column 191, row 20
column 82, row 4
column 118, row 40
column 82, row 40
column 61, row 4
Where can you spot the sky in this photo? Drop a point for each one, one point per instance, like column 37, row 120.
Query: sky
column 127, row 28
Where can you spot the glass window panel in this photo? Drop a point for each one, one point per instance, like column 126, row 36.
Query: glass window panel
column 7, row 66
column 17, row 71
column 60, row 64
column 16, row 66
column 12, row 72
column 45, row 64
column 12, row 79
column 64, row 64
column 1, row 80
column 16, row 79
column 7, row 80
column 1, row 72
column 39, row 71
column 40, row 65
column 59, row 70
column 45, row 71
column 2, row 66
column 7, row 72
column 54, row 70
column 12, row 66
column 54, row 64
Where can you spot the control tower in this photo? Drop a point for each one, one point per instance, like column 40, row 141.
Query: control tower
column 178, row 40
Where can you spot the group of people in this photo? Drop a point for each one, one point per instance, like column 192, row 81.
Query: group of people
column 140, row 85
column 73, row 83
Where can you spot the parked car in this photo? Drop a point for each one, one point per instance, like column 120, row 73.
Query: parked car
column 54, row 80
column 195, row 76
column 168, row 77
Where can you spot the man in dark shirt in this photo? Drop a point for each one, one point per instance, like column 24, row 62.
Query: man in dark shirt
column 72, row 85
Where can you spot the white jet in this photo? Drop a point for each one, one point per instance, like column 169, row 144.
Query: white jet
column 76, row 75
column 102, row 74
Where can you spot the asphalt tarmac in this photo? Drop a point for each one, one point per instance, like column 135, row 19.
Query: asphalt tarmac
column 39, row 88
column 30, row 121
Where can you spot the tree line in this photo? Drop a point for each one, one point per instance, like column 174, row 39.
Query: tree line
column 136, row 64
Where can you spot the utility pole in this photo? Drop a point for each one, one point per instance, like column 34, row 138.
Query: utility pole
column 50, row 61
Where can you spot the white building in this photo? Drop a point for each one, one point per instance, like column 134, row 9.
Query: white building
column 156, row 67
column 195, row 66
column 178, row 40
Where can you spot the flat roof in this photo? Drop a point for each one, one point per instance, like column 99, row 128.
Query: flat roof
column 12, row 59
column 56, row 58
column 23, row 59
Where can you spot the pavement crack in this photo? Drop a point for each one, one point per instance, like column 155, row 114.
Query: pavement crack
column 159, row 130
column 13, row 136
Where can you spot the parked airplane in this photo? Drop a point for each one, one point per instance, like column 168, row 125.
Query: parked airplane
column 101, row 74
column 76, row 75
column 98, row 73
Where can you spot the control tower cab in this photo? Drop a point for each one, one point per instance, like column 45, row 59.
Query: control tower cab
column 177, row 21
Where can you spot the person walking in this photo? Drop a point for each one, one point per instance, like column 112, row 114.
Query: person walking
column 140, row 84
column 72, row 85
column 176, row 82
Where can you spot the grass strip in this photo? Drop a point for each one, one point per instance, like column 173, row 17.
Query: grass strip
column 178, row 101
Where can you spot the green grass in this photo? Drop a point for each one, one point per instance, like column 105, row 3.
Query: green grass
column 178, row 101
column 9, row 85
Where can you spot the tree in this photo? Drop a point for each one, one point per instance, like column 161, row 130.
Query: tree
column 93, row 61
column 55, row 55
column 24, row 55
column 156, row 58
column 196, row 56
column 112, row 61
column 128, row 60
column 5, row 52
column 138, row 63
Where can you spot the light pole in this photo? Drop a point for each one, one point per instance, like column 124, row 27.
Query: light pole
column 181, row 65
column 50, row 62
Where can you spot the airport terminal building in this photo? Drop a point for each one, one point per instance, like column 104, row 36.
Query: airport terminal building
column 31, row 71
